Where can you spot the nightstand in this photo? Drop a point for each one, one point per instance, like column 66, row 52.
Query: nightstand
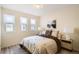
column 67, row 43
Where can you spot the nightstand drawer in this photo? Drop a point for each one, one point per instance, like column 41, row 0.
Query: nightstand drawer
column 66, row 45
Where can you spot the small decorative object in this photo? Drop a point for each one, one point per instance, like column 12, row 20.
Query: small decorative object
column 53, row 24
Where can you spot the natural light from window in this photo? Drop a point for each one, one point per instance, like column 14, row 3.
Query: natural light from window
column 33, row 24
column 9, row 21
column 23, row 23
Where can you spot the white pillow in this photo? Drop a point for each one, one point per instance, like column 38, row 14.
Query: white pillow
column 55, row 33
column 43, row 32
column 59, row 35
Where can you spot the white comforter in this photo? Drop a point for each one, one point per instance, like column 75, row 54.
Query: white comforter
column 39, row 45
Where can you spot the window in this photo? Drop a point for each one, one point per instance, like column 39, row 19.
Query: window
column 33, row 24
column 23, row 23
column 9, row 21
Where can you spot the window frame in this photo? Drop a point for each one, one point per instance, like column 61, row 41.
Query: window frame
column 24, row 24
column 33, row 25
column 6, row 23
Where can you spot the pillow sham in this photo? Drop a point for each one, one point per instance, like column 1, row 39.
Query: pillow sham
column 60, row 35
column 48, row 32
column 55, row 33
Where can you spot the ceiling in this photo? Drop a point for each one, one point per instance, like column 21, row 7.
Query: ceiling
column 28, row 8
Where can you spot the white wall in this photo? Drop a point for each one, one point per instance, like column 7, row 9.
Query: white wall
column 66, row 18
column 0, row 28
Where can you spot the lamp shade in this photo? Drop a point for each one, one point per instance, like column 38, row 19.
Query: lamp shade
column 67, row 30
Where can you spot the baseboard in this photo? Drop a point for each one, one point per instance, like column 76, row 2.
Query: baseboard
column 9, row 46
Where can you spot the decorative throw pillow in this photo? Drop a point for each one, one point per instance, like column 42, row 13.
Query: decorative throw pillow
column 60, row 35
column 55, row 33
column 48, row 32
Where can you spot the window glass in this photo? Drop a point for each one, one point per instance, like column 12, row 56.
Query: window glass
column 23, row 23
column 9, row 21
column 33, row 24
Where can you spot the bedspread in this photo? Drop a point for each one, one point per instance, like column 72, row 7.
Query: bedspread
column 39, row 45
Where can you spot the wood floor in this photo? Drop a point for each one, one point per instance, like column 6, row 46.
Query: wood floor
column 18, row 50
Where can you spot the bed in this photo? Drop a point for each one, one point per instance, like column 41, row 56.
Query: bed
column 41, row 44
